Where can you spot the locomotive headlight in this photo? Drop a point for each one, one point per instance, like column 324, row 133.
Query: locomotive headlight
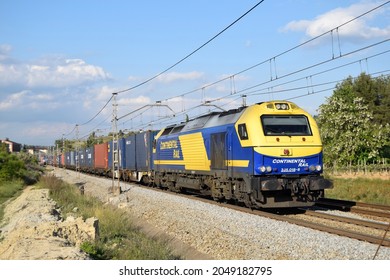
column 313, row 168
column 281, row 106
column 264, row 169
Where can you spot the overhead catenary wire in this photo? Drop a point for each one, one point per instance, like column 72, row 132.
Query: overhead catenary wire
column 313, row 86
column 272, row 60
column 256, row 92
column 97, row 114
column 246, row 90
column 193, row 52
column 175, row 64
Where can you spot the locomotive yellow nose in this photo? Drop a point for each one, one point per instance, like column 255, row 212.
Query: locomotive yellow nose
column 286, row 152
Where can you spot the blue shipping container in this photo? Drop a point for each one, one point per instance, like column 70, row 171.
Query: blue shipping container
column 122, row 153
column 144, row 150
column 130, row 153
column 89, row 158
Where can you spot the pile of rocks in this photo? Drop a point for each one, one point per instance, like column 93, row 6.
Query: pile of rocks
column 33, row 229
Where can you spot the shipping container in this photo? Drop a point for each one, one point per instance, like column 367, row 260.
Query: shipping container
column 138, row 154
column 89, row 158
column 130, row 153
column 70, row 160
column 62, row 160
column 101, row 157
column 67, row 159
column 82, row 157
column 121, row 154
column 144, row 150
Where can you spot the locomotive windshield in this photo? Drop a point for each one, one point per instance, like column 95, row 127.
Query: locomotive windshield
column 285, row 125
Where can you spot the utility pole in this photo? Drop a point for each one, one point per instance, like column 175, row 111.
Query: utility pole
column 57, row 153
column 116, row 188
column 77, row 151
column 63, row 146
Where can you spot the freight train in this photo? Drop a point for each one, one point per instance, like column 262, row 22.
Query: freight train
column 267, row 155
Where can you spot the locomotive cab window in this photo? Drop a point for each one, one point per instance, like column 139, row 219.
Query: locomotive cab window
column 291, row 125
column 167, row 131
column 242, row 132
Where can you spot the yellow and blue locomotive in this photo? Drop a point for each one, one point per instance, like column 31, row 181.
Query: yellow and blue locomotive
column 265, row 155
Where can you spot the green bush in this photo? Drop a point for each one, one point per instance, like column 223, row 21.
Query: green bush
column 11, row 167
column 20, row 166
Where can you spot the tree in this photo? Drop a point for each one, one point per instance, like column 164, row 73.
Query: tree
column 10, row 166
column 91, row 140
column 349, row 129
column 376, row 94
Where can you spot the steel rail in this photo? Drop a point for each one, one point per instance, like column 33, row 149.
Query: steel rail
column 324, row 228
column 381, row 241
column 356, row 207
column 349, row 203
column 359, row 222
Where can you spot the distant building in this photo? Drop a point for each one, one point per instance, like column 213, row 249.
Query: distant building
column 13, row 147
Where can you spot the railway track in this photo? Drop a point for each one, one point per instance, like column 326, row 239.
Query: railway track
column 338, row 228
column 374, row 210
column 364, row 230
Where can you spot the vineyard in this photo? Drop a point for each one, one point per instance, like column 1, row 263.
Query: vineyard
column 380, row 170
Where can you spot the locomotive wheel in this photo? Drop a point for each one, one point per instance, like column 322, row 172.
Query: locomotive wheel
column 248, row 201
column 172, row 187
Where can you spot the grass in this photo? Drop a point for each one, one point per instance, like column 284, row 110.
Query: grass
column 9, row 190
column 367, row 190
column 119, row 239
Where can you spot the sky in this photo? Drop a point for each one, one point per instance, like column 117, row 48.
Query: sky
column 61, row 61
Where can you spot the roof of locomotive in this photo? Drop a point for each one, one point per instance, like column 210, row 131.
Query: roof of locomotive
column 214, row 119
column 210, row 120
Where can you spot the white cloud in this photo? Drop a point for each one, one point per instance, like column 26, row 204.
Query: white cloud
column 13, row 100
column 70, row 72
column 174, row 76
column 26, row 99
column 357, row 29
column 12, row 75
column 55, row 73
column 136, row 101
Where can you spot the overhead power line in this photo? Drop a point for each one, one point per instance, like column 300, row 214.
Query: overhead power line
column 260, row 63
column 175, row 64
column 193, row 52
column 87, row 122
column 273, row 59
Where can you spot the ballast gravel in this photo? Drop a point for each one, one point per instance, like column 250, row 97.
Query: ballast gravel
column 220, row 233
